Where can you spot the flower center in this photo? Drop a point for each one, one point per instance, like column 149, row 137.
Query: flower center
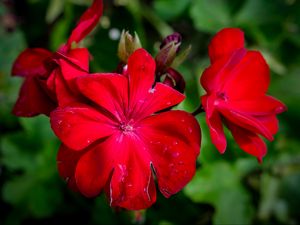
column 222, row 96
column 125, row 127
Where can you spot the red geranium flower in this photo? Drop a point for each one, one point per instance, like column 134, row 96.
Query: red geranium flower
column 236, row 84
column 119, row 140
column 40, row 69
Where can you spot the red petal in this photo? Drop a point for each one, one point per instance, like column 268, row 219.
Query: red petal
column 173, row 139
column 270, row 122
column 217, row 75
column 66, row 162
column 65, row 85
column 264, row 105
column 209, row 78
column 208, row 103
column 225, row 42
column 141, row 68
column 86, row 23
column 248, row 141
column 78, row 58
column 79, row 126
column 158, row 98
column 246, row 121
column 94, row 168
column 50, row 83
column 31, row 62
column 250, row 78
column 109, row 91
column 216, row 131
column 33, row 99
column 65, row 94
column 132, row 185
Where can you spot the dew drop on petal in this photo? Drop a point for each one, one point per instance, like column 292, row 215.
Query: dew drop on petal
column 186, row 174
column 151, row 90
column 175, row 154
column 190, row 130
column 175, row 143
column 165, row 149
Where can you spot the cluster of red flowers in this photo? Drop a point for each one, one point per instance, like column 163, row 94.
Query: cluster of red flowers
column 118, row 131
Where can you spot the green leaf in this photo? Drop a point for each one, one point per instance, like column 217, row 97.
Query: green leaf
column 167, row 10
column 15, row 191
column 235, row 201
column 12, row 157
column 219, row 184
column 289, row 191
column 55, row 8
column 257, row 12
column 210, row 15
column 286, row 88
column 81, row 2
column 269, row 193
column 43, row 200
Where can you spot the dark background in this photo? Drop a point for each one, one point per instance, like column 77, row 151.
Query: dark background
column 227, row 189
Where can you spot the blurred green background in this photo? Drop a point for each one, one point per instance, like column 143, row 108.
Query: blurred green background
column 227, row 189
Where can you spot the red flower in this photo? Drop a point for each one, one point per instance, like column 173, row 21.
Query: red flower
column 118, row 140
column 236, row 84
column 40, row 68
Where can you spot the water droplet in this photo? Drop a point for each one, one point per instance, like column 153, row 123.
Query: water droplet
column 129, row 185
column 88, row 141
column 165, row 149
column 175, row 143
column 186, row 174
column 171, row 165
column 151, row 90
column 59, row 122
column 180, row 163
column 190, row 130
column 182, row 120
column 175, row 154
column 169, row 103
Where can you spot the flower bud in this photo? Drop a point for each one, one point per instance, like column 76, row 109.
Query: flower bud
column 175, row 80
column 166, row 56
column 127, row 45
column 175, row 37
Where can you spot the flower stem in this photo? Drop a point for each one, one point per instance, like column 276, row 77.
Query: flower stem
column 199, row 110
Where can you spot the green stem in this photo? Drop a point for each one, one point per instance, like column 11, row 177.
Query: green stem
column 199, row 110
